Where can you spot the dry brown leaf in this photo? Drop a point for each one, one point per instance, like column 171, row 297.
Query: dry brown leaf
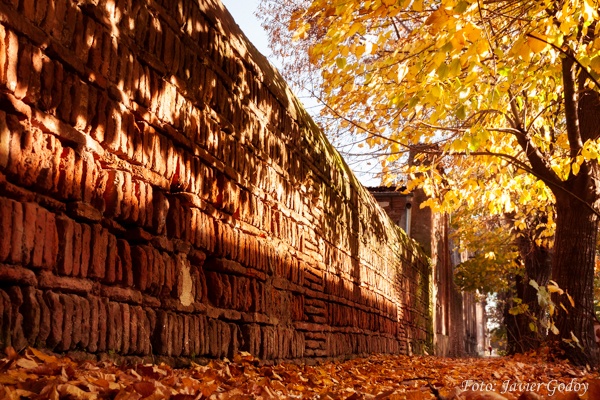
column 72, row 390
column 144, row 388
column 483, row 396
column 530, row 396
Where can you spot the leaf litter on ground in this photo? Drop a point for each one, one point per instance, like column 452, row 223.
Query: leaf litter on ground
column 38, row 374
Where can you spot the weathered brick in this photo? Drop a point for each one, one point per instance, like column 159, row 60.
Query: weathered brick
column 56, row 310
column 86, row 249
column 65, row 260
column 12, row 61
column 29, row 224
column 5, row 135
column 160, row 211
column 111, row 259
column 18, row 339
column 50, row 241
column 133, row 328
column 67, row 323
column 17, row 233
column 139, row 259
column 126, row 324
column 114, row 327
column 99, row 252
column 94, row 323
column 5, row 319
column 35, row 84
column 77, row 320
column 45, row 320
column 31, row 314
column 84, row 338
column 160, row 339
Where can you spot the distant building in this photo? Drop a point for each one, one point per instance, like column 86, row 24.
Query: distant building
column 459, row 319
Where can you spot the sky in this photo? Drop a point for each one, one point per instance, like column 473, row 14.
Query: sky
column 243, row 14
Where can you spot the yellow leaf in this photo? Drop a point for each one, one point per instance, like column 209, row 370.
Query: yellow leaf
column 402, row 71
column 417, row 5
column 537, row 43
column 571, row 300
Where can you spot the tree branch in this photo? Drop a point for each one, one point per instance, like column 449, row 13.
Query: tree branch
column 571, row 113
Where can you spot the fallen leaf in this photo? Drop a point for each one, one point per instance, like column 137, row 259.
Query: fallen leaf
column 484, row 396
column 144, row 388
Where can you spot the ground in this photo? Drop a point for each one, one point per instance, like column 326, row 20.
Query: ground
column 34, row 374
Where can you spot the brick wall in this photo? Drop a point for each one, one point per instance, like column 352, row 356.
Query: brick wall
column 161, row 191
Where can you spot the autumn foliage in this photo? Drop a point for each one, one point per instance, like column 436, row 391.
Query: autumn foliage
column 38, row 375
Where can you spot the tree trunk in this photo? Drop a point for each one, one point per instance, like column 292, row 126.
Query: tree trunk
column 573, row 270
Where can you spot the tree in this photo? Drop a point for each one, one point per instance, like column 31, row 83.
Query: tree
column 495, row 84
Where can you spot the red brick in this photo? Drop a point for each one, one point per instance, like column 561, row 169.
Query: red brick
column 112, row 135
column 23, row 69
column 83, row 36
column 111, row 259
column 45, row 320
column 78, row 179
column 63, row 111
column 50, row 241
column 56, row 327
column 99, row 252
column 169, row 275
column 12, row 60
column 99, row 121
column 178, row 327
column 3, row 56
column 16, row 251
column 114, row 327
column 133, row 323
column 66, row 181
column 158, row 271
column 41, row 9
column 126, row 324
column 66, row 258
column 86, row 249
column 5, row 137
column 132, row 197
column 126, row 200
column 69, row 25
column 126, row 262
column 174, row 218
column 136, row 136
column 18, row 339
column 94, row 321
column 160, row 211
column 6, row 224
column 57, row 89
column 85, row 322
column 90, row 175
column 79, row 117
column 160, row 340
column 30, row 215
column 31, row 314
column 154, row 261
column 150, row 329
column 46, row 83
column 77, row 320
column 103, row 321
column 5, row 319
column 140, row 188
column 34, row 88
column 140, row 267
